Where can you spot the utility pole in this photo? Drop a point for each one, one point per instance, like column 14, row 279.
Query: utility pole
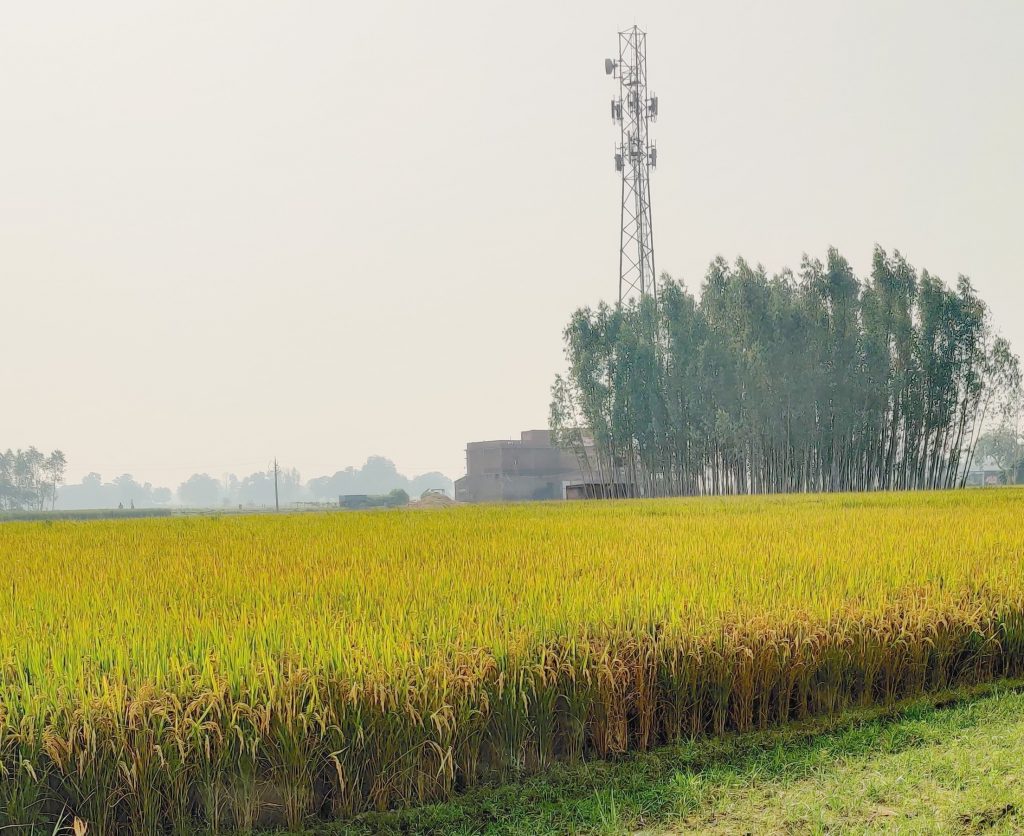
column 635, row 156
column 277, row 505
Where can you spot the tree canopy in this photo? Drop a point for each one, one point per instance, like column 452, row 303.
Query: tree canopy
column 29, row 479
column 815, row 381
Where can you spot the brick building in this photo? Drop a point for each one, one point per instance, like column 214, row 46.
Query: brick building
column 526, row 468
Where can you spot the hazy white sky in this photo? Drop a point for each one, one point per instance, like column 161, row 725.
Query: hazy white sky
column 323, row 230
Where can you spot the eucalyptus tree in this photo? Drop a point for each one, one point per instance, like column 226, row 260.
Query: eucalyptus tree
column 29, row 479
column 813, row 381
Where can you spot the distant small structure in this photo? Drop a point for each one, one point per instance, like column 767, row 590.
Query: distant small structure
column 985, row 474
column 434, row 498
column 515, row 470
column 354, row 501
column 599, row 490
column 358, row 501
column 307, row 505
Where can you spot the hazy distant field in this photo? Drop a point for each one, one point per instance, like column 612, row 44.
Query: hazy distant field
column 249, row 668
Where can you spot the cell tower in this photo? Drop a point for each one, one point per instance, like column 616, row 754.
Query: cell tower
column 635, row 156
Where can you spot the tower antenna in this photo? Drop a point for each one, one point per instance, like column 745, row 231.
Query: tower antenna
column 635, row 156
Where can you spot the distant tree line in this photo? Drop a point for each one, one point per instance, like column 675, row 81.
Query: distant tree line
column 818, row 381
column 257, row 489
column 29, row 479
column 124, row 491
column 378, row 477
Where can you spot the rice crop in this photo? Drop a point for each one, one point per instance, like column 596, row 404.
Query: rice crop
column 168, row 674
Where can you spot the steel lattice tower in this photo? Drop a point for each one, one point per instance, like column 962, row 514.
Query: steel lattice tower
column 635, row 156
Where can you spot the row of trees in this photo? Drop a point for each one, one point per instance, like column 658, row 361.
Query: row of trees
column 123, row 490
column 817, row 381
column 29, row 479
column 202, row 490
column 378, row 476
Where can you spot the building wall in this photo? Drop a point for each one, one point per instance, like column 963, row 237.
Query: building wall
column 516, row 470
column 511, row 488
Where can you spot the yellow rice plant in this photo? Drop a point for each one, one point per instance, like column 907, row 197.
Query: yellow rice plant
column 168, row 675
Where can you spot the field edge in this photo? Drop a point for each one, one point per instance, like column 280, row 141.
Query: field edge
column 648, row 791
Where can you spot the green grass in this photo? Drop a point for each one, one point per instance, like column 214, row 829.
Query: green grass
column 949, row 764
